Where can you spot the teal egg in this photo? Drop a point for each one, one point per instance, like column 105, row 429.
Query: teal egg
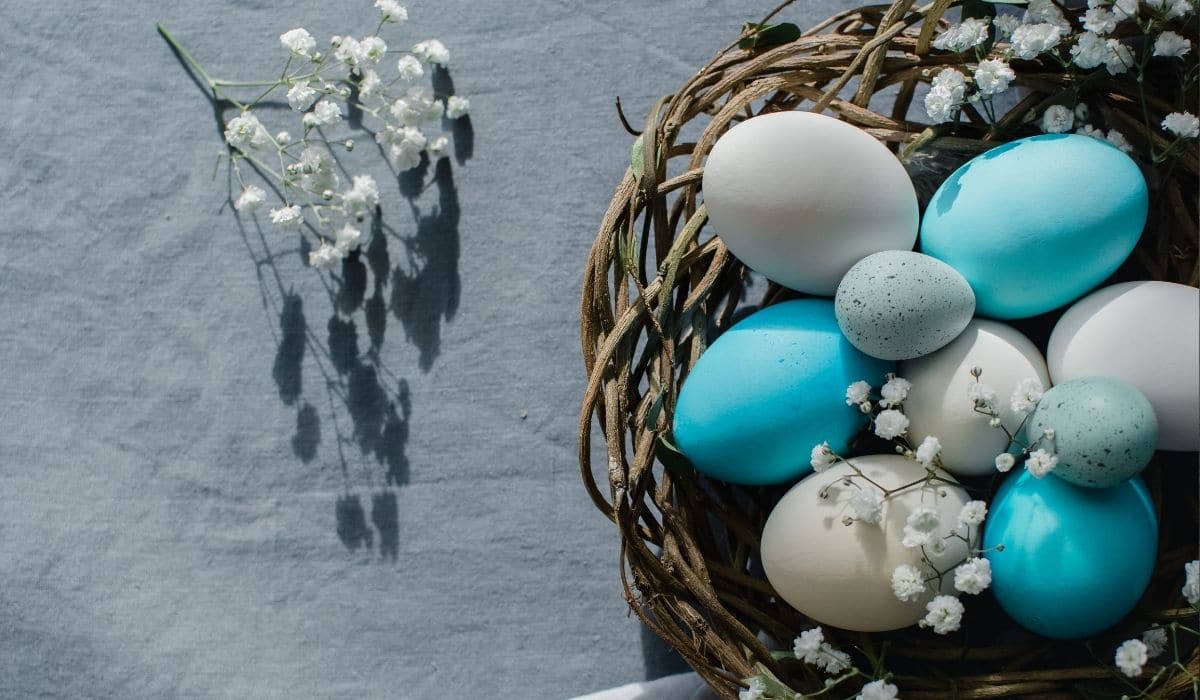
column 1105, row 430
column 897, row 304
column 1075, row 560
column 768, row 390
column 1038, row 222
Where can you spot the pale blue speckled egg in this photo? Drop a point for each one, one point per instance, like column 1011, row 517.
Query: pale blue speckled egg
column 897, row 304
column 1038, row 222
column 768, row 390
column 1105, row 430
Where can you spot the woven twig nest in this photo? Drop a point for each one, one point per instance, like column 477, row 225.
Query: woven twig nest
column 659, row 287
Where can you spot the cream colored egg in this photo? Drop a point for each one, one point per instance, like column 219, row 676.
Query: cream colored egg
column 938, row 403
column 841, row 575
column 801, row 197
column 1146, row 334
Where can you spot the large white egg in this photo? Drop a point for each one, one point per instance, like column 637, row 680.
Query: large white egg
column 1146, row 334
column 938, row 403
column 801, row 197
column 841, row 575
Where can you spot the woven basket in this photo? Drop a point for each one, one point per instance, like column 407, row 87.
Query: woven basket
column 659, row 287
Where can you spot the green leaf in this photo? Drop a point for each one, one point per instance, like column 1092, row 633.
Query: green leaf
column 761, row 36
column 676, row 464
column 637, row 158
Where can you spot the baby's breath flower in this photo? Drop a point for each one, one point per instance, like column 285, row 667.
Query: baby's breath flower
column 457, row 106
column 298, row 41
column 945, row 613
column 283, row 138
column 1131, row 656
column 890, row 424
column 1184, row 125
column 287, row 217
column 1005, row 24
column 960, row 37
column 940, row 105
column 928, row 451
column 920, row 528
column 433, row 52
column 326, row 256
column 894, row 391
column 1090, row 50
column 1057, row 119
column 323, row 113
column 1171, row 45
column 983, row 395
column 251, row 198
column 1030, row 40
column 1045, row 11
column 1005, row 462
column 1089, row 130
column 754, row 690
column 300, row 95
column 973, row 513
column 812, row 648
column 867, row 505
column 879, row 690
column 857, row 392
column 348, row 238
column 907, row 583
column 362, row 196
column 1040, row 463
column 349, row 51
column 1118, row 139
column 1155, row 640
column 392, row 11
column 822, row 457
column 1191, row 585
column 370, row 83
column 1100, row 20
column 372, row 50
column 246, row 132
column 973, row 576
column 1026, row 395
column 409, row 67
column 809, row 642
column 992, row 76
column 1119, row 58
column 438, row 146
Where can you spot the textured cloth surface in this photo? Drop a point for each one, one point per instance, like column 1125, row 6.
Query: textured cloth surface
column 215, row 484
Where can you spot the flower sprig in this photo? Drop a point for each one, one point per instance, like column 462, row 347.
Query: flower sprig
column 1038, row 454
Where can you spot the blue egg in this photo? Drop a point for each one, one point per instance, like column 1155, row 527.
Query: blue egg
column 768, row 390
column 1075, row 560
column 1038, row 222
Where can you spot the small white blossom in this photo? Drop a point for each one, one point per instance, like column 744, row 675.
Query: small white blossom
column 945, row 613
column 946, row 94
column 287, row 217
column 894, row 391
column 920, row 528
column 300, row 95
column 867, row 505
column 857, row 392
column 283, row 138
column 298, row 41
column 1171, row 45
column 438, row 146
column 348, row 238
column 1081, row 111
column 1026, row 395
column 907, row 583
column 1125, row 9
column 1090, row 50
column 251, row 198
column 326, row 256
column 432, row 51
column 323, row 113
column 1057, row 119
column 1005, row 462
column 822, row 457
column 1045, row 11
column 1118, row 139
column 983, row 395
column 1155, row 640
column 1184, row 125
column 928, row 451
column 754, row 691
column 890, row 424
column 1191, row 585
column 1119, row 58
column 812, row 648
column 1040, row 463
column 370, row 83
column 348, row 51
column 993, row 76
column 392, row 11
column 960, row 37
column 410, row 68
column 1030, row 40
column 372, row 50
column 1089, row 130
column 457, row 106
column 1005, row 24
column 809, row 642
column 1131, row 656
column 1100, row 20
column 362, row 196
column 972, row 514
column 246, row 132
column 879, row 690
column 953, row 81
column 973, row 576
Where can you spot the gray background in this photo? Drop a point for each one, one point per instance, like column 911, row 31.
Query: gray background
column 166, row 526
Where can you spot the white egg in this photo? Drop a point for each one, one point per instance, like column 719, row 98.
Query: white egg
column 800, row 197
column 938, row 403
column 1146, row 334
column 841, row 575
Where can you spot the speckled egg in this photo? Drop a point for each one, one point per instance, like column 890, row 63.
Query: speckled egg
column 768, row 390
column 1075, row 560
column 1036, row 223
column 1104, row 430
column 897, row 304
column 840, row 574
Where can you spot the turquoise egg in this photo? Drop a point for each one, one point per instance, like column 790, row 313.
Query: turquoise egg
column 1038, row 222
column 1104, row 430
column 768, row 390
column 1075, row 560
column 897, row 304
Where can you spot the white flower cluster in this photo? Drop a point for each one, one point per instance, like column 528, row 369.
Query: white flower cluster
column 321, row 87
column 1025, row 397
column 811, row 647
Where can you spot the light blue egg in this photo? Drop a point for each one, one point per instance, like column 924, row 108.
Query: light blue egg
column 897, row 304
column 1104, row 430
column 1075, row 560
column 1038, row 222
column 768, row 390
